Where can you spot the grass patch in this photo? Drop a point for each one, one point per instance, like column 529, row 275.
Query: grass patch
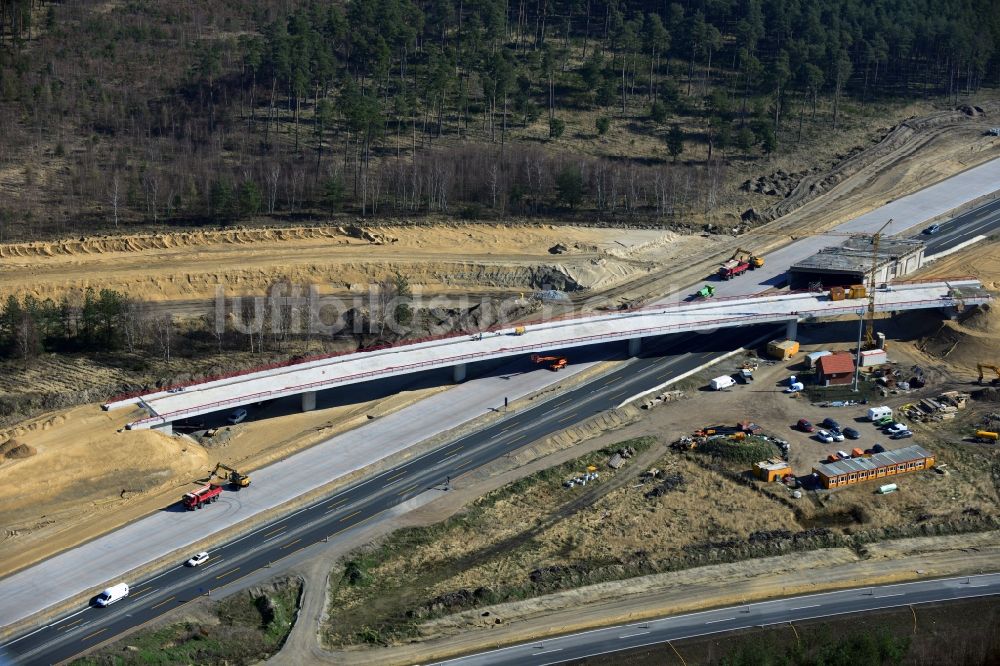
column 747, row 451
column 246, row 628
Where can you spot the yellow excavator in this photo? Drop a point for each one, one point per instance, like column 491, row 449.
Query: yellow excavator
column 755, row 261
column 236, row 480
column 985, row 366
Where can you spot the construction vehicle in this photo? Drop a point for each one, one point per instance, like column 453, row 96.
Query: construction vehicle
column 987, row 437
column 236, row 480
column 519, row 330
column 555, row 362
column 754, row 260
column 870, row 341
column 706, row 292
column 733, row 268
column 199, row 498
column 985, row 366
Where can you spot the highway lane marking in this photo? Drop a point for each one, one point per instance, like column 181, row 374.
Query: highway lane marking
column 290, row 544
column 725, row 619
column 457, row 448
column 898, row 594
column 567, row 418
column 407, row 489
column 144, row 593
column 339, row 502
column 641, row 633
column 804, row 607
column 280, row 529
column 517, row 439
column 87, row 638
column 454, row 455
column 165, row 601
column 467, row 462
column 393, row 478
column 350, row 516
column 227, row 573
column 141, row 590
column 67, row 626
column 548, row 651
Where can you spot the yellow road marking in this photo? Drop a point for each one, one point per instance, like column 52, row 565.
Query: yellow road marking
column 518, row 439
column 87, row 638
column 290, row 544
column 67, row 626
column 350, row 515
column 571, row 416
column 396, row 476
column 463, row 464
column 457, row 448
column 226, row 574
column 339, row 502
column 165, row 601
column 148, row 587
column 280, row 529
column 407, row 489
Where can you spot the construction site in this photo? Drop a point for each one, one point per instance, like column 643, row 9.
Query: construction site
column 712, row 487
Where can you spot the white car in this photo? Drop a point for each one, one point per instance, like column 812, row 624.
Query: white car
column 837, row 435
column 237, row 416
column 200, row 558
column 824, row 436
column 896, row 427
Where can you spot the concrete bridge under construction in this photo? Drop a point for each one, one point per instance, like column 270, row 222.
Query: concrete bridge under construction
column 456, row 351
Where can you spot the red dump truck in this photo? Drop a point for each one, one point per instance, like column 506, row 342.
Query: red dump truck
column 733, row 267
column 204, row 495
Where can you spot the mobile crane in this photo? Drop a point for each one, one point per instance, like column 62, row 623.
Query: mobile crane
column 555, row 362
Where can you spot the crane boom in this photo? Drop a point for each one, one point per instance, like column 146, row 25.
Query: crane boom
column 870, row 342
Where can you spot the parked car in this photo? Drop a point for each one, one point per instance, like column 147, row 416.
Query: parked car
column 933, row 229
column 824, row 436
column 902, row 434
column 851, row 433
column 896, row 427
column 837, row 435
column 198, row 559
column 884, row 421
column 804, row 425
column 830, row 424
column 238, row 416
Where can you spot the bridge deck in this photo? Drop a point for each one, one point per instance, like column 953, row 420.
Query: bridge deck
column 168, row 406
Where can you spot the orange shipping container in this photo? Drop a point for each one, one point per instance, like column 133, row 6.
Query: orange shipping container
column 857, row 453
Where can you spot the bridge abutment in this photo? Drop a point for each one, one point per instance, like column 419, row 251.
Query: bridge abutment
column 166, row 428
column 308, row 401
column 458, row 373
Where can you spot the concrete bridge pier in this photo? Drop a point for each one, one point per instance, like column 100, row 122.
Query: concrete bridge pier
column 634, row 346
column 792, row 329
column 308, row 401
column 458, row 373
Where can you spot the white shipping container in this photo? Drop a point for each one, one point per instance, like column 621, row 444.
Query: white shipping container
column 873, row 357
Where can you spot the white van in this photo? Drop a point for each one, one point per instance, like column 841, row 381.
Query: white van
column 723, row 382
column 112, row 594
column 876, row 413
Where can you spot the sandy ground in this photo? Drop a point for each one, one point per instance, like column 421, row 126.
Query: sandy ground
column 434, row 258
column 95, row 478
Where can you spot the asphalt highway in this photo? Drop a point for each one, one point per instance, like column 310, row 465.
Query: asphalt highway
column 608, row 640
column 662, row 359
column 981, row 221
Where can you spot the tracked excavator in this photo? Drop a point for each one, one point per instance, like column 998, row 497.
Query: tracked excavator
column 985, row 366
column 235, row 478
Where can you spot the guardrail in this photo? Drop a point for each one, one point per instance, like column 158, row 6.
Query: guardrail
column 943, row 301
